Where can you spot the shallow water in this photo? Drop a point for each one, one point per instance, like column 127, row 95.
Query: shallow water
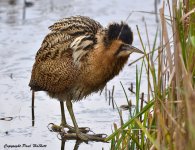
column 20, row 38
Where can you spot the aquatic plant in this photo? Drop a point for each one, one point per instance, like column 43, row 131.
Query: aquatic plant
column 167, row 119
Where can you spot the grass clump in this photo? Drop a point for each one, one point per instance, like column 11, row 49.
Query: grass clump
column 167, row 119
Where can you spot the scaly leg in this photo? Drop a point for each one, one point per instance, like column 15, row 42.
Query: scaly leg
column 63, row 119
column 78, row 133
column 64, row 124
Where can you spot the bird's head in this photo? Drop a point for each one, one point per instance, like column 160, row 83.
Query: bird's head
column 118, row 40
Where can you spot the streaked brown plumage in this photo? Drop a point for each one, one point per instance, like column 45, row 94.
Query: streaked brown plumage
column 79, row 57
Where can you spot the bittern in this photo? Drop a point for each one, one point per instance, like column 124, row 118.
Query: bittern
column 78, row 57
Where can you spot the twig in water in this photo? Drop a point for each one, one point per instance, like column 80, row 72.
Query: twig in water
column 33, row 105
column 131, row 89
column 24, row 11
column 7, row 118
column 106, row 92
column 109, row 97
column 113, row 97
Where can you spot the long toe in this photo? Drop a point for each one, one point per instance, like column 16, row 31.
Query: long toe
column 54, row 128
column 82, row 136
column 72, row 129
column 81, row 129
column 84, row 129
column 63, row 125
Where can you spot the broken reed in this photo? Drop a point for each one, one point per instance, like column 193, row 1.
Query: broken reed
column 109, row 95
column 167, row 120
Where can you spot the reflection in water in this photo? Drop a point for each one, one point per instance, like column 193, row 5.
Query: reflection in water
column 15, row 10
column 25, row 5
column 28, row 4
column 12, row 13
column 13, row 2
column 12, row 16
column 7, row 118
column 76, row 146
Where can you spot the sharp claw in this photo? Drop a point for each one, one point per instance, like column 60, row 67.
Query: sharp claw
column 49, row 126
column 54, row 128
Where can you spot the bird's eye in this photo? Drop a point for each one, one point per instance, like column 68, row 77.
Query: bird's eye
column 126, row 49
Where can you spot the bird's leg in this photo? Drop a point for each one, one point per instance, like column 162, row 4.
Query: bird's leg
column 63, row 119
column 64, row 124
column 57, row 128
column 74, row 132
column 78, row 133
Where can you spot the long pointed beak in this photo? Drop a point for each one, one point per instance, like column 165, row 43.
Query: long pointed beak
column 131, row 49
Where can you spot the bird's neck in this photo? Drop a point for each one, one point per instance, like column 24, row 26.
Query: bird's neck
column 102, row 68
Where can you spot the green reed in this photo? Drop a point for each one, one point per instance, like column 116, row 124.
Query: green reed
column 167, row 118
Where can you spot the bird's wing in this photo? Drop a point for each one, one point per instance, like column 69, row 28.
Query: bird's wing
column 68, row 40
column 53, row 75
column 76, row 33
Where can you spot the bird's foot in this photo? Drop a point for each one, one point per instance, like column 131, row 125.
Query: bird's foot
column 84, row 137
column 57, row 128
column 81, row 133
column 92, row 137
column 54, row 128
column 72, row 129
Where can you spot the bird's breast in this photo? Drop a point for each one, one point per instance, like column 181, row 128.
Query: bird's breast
column 95, row 76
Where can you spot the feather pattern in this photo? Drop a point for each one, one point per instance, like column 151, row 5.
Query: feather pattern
column 61, row 50
column 76, row 33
